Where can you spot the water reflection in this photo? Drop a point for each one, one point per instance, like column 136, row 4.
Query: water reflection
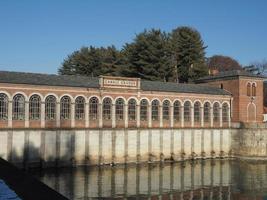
column 208, row 179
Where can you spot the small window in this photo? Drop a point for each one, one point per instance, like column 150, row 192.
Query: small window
column 119, row 109
column 18, row 107
column 221, row 86
column 225, row 112
column 3, row 107
column 176, row 111
column 79, row 108
column 248, row 89
column 93, row 108
column 166, row 110
column 50, row 108
column 216, row 112
column 132, row 110
column 254, row 89
column 107, row 106
column 143, row 110
column 155, row 110
column 207, row 112
column 65, row 103
column 35, row 107
column 187, row 111
column 197, row 112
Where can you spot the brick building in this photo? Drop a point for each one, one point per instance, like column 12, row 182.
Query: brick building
column 247, row 91
column 29, row 100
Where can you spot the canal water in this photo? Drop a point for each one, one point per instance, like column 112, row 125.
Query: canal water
column 208, row 179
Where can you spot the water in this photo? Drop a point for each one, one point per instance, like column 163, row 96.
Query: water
column 219, row 179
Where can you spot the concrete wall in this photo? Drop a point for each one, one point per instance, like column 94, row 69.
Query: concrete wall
column 250, row 143
column 105, row 146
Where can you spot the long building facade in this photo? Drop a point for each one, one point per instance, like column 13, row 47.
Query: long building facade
column 29, row 100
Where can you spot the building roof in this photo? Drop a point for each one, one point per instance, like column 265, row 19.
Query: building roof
column 229, row 75
column 93, row 82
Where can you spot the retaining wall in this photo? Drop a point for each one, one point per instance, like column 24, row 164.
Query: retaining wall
column 106, row 146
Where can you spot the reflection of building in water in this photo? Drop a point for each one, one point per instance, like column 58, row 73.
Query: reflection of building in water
column 202, row 179
column 217, row 179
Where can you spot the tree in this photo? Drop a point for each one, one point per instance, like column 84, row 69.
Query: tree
column 223, row 63
column 148, row 56
column 258, row 67
column 93, row 62
column 189, row 54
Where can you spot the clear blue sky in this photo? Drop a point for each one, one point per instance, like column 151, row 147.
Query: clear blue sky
column 35, row 36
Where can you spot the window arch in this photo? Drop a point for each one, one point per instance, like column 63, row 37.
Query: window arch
column 225, row 112
column 35, row 107
column 132, row 110
column 18, row 107
column 93, row 108
column 207, row 112
column 254, row 89
column 143, row 110
column 216, row 112
column 65, row 103
column 166, row 110
column 107, row 105
column 50, row 107
column 248, row 89
column 187, row 111
column 176, row 111
column 155, row 110
column 119, row 109
column 197, row 112
column 79, row 108
column 3, row 106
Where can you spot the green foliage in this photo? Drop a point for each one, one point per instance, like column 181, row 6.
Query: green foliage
column 148, row 57
column 189, row 53
column 93, row 62
column 153, row 55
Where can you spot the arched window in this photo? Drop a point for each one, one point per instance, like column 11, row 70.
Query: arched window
column 3, row 107
column 18, row 107
column 254, row 89
column 93, row 108
column 143, row 110
column 35, row 107
column 187, row 111
column 176, row 111
column 216, row 112
column 197, row 112
column 225, row 110
column 166, row 110
column 65, row 103
column 79, row 108
column 248, row 89
column 155, row 110
column 107, row 104
column 50, row 107
column 132, row 110
column 119, row 109
column 207, row 112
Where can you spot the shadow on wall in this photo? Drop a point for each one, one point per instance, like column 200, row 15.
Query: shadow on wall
column 60, row 153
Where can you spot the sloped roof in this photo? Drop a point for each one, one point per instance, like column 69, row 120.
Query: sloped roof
column 93, row 82
column 229, row 75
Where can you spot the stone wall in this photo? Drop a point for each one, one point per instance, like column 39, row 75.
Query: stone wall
column 111, row 146
column 249, row 143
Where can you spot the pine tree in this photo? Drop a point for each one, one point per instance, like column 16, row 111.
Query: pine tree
column 189, row 54
column 148, row 57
